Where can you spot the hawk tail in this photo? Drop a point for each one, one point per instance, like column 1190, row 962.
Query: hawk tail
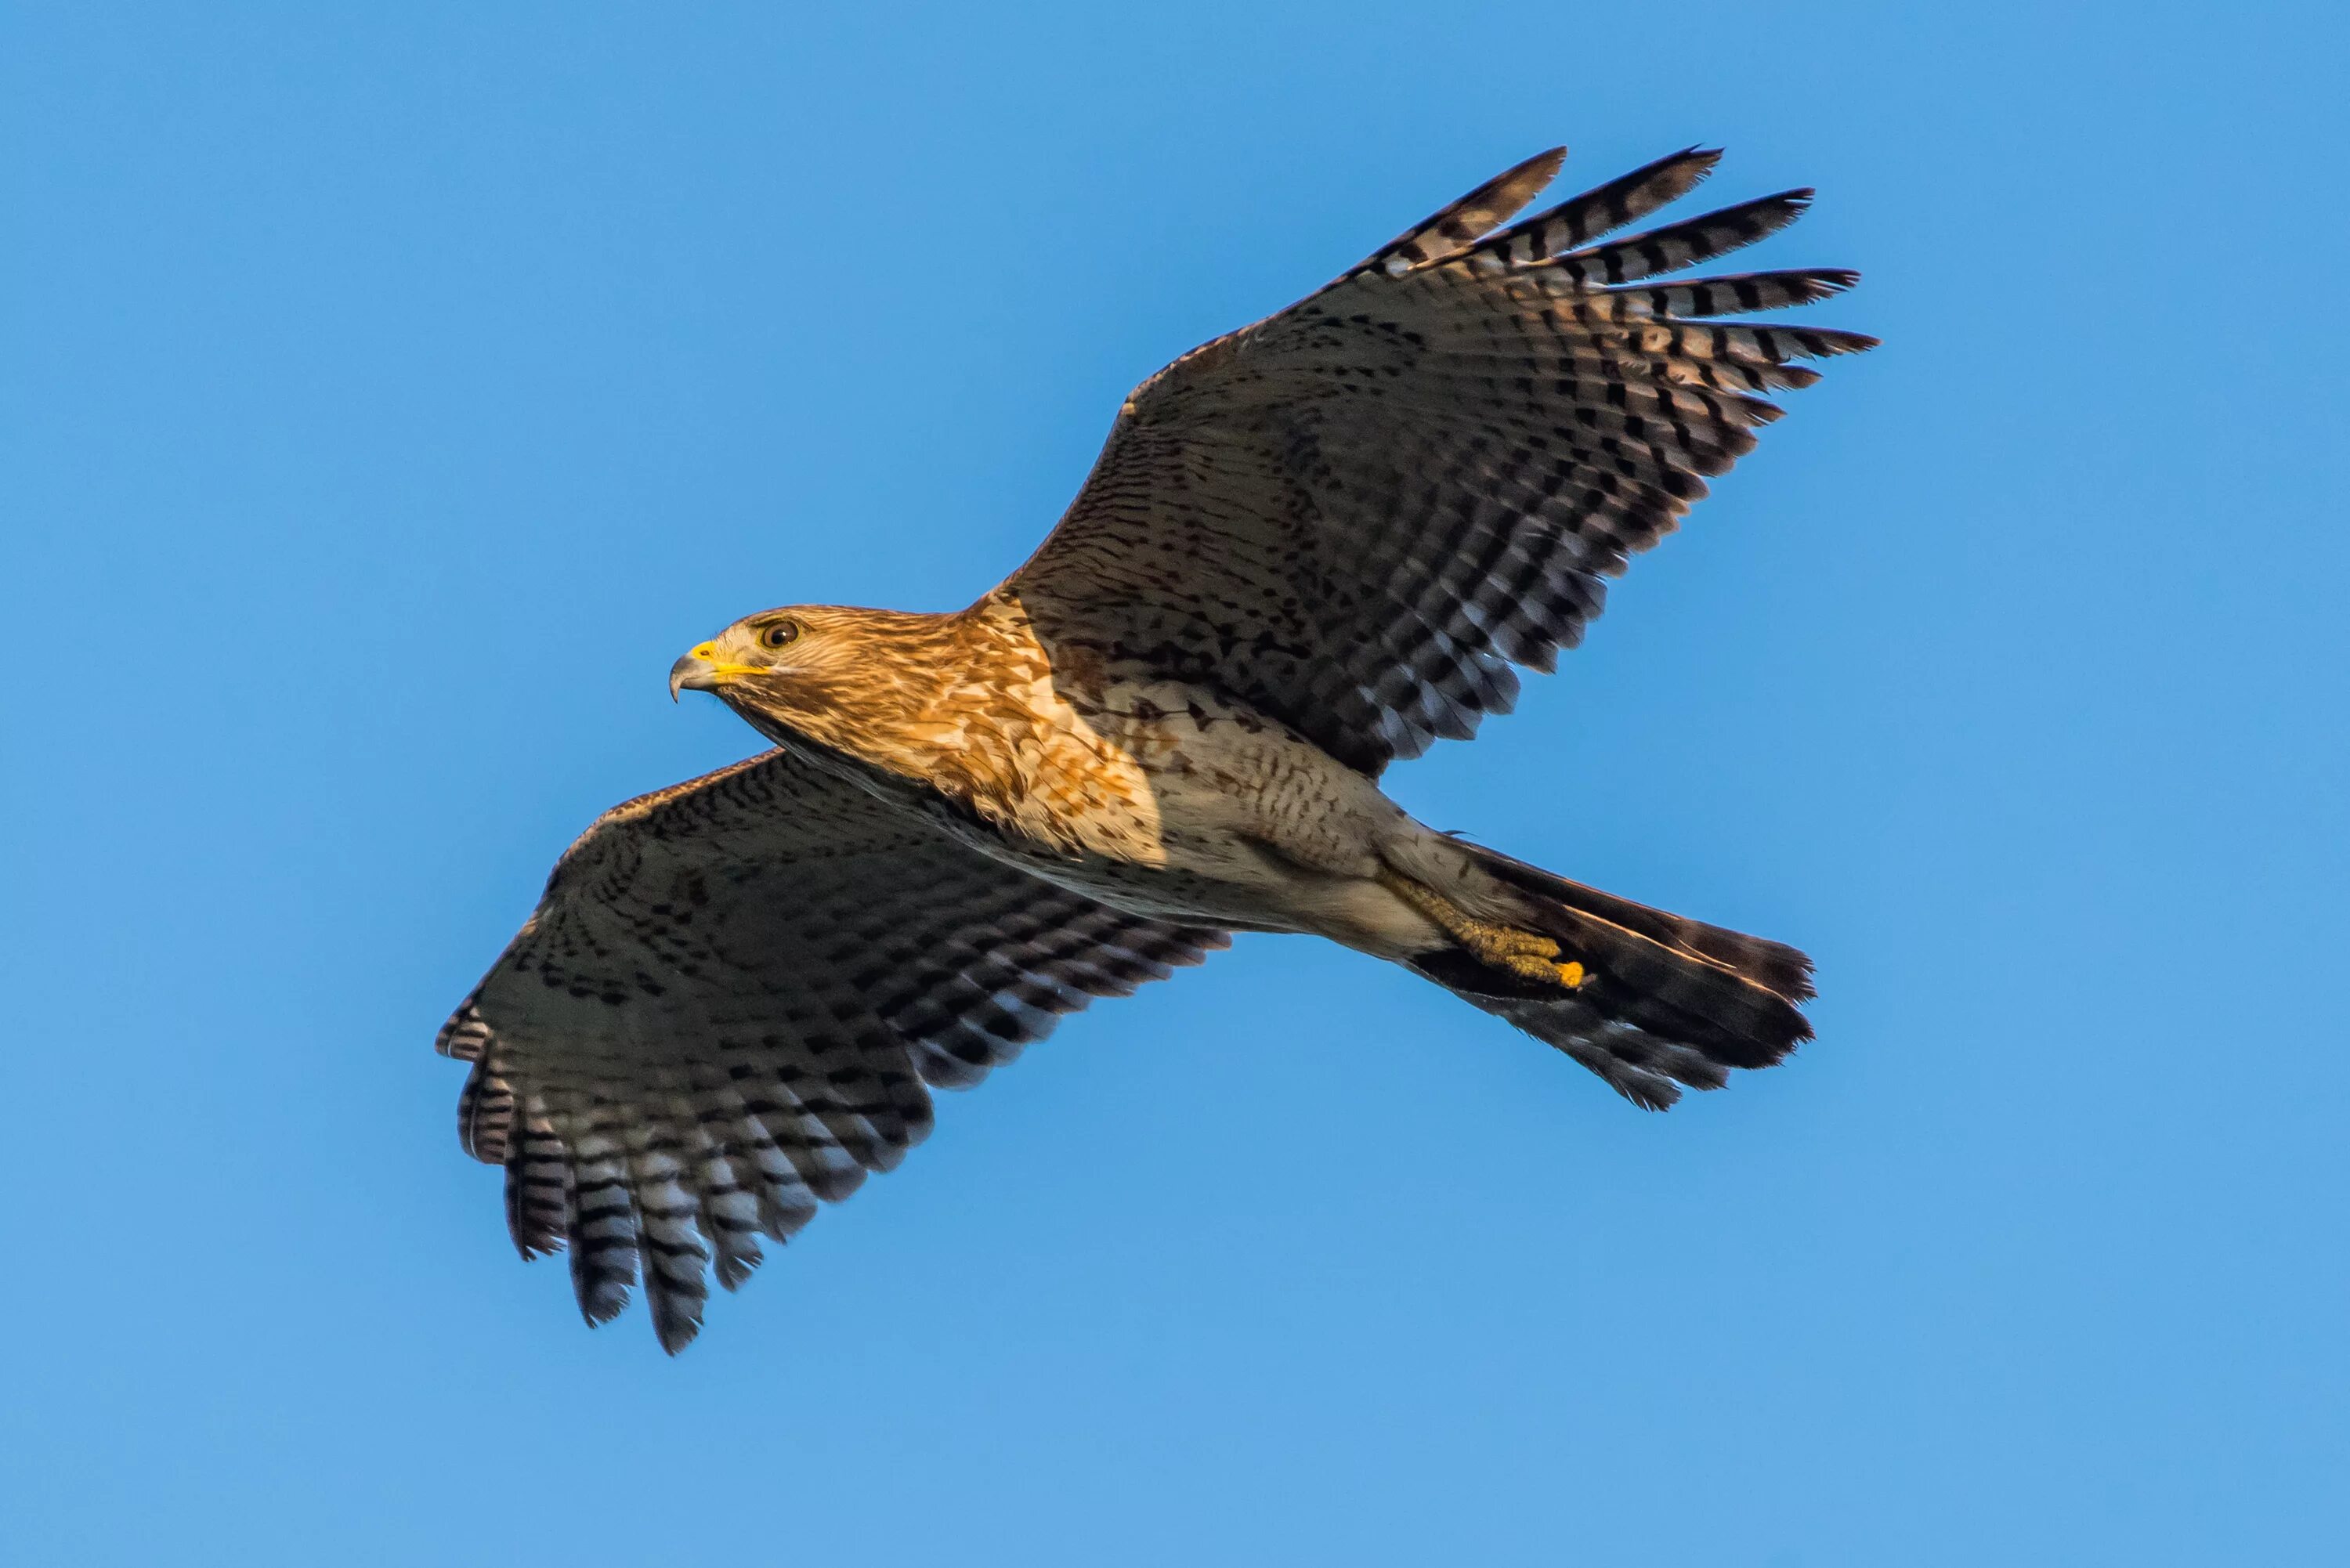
column 1649, row 1001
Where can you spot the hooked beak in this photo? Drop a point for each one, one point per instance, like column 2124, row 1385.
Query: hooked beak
column 702, row 670
column 690, row 674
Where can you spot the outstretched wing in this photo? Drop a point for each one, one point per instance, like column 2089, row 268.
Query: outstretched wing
column 733, row 1001
column 1358, row 514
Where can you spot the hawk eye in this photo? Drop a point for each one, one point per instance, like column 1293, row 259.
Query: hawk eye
column 779, row 634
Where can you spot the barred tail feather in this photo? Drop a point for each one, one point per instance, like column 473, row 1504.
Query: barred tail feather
column 1666, row 1000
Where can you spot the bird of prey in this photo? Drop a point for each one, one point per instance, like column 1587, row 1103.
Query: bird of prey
column 1308, row 548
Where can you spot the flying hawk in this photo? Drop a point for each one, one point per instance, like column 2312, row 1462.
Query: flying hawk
column 1309, row 547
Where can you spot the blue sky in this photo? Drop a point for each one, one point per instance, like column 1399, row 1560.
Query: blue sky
column 387, row 399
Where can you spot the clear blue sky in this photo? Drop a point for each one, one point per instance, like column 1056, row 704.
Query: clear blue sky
column 386, row 399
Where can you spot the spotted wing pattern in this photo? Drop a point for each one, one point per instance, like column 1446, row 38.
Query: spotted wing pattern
column 732, row 1002
column 1361, row 514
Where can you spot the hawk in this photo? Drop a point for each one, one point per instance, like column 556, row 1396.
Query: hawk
column 1309, row 547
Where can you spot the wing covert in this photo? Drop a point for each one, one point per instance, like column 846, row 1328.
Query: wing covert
column 731, row 1003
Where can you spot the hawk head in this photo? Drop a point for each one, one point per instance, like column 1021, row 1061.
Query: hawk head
column 767, row 648
column 822, row 671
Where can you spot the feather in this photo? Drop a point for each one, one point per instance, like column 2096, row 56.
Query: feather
column 1737, row 294
column 1685, row 243
column 1581, row 219
column 1454, row 228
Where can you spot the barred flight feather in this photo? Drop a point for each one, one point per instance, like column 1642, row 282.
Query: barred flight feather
column 485, row 1115
column 1738, row 294
column 1681, row 245
column 1453, row 228
column 539, row 1191
column 1581, row 219
column 464, row 1035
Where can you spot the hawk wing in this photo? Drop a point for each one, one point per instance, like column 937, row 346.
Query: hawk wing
column 1358, row 514
column 732, row 1002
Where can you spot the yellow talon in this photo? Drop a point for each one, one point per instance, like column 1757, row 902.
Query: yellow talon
column 1506, row 940
column 1526, row 954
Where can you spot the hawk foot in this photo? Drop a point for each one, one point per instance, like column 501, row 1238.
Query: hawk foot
column 1569, row 974
column 1525, row 954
